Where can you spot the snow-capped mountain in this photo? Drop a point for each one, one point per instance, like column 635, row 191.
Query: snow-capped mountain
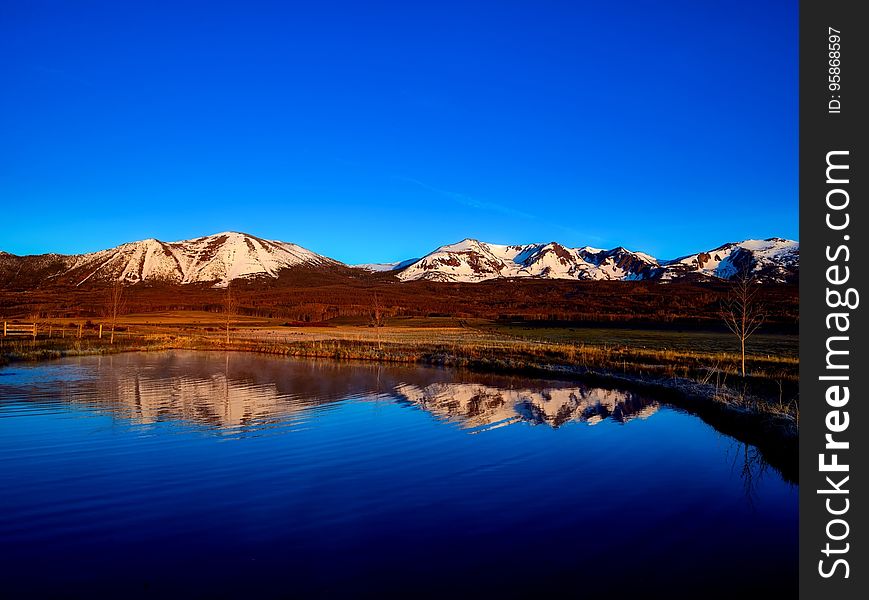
column 468, row 260
column 472, row 261
column 216, row 259
column 774, row 259
column 223, row 257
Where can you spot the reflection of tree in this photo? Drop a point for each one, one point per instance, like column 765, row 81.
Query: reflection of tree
column 752, row 467
column 228, row 307
column 226, row 402
column 115, row 304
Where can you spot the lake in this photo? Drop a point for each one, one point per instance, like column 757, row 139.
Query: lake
column 194, row 474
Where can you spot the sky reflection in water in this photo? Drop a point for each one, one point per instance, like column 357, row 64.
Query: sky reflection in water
column 213, row 474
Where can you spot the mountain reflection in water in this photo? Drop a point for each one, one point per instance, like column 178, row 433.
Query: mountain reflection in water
column 224, row 391
column 212, row 475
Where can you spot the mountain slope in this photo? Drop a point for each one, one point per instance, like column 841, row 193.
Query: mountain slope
column 468, row 260
column 773, row 259
column 216, row 259
column 471, row 260
column 220, row 258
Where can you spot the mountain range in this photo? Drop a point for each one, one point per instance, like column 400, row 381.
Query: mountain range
column 220, row 258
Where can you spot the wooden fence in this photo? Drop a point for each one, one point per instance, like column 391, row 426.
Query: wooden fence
column 47, row 330
column 16, row 329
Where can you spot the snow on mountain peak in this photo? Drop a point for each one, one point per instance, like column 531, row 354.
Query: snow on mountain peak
column 222, row 257
column 772, row 259
column 471, row 260
column 217, row 258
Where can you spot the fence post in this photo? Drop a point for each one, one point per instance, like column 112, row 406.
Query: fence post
column 79, row 331
column 34, row 331
column 4, row 328
column 101, row 331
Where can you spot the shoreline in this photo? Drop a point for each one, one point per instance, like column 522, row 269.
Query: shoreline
column 773, row 429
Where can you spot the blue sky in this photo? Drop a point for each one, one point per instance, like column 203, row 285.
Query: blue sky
column 375, row 131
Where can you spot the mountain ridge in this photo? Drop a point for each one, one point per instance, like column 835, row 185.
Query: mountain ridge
column 226, row 256
column 773, row 259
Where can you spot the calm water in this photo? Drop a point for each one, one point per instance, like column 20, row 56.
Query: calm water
column 213, row 475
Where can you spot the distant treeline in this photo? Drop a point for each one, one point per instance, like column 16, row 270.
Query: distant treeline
column 313, row 296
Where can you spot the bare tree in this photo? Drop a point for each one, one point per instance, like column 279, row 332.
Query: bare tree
column 116, row 304
column 36, row 313
column 377, row 319
column 228, row 307
column 377, row 316
column 741, row 312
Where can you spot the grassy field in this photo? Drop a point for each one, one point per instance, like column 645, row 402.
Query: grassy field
column 695, row 355
column 780, row 345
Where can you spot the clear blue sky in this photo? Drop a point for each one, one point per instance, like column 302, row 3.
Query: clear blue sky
column 375, row 131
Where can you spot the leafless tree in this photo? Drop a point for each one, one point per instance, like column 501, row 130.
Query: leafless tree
column 228, row 307
column 377, row 316
column 741, row 311
column 116, row 304
column 36, row 312
column 377, row 319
